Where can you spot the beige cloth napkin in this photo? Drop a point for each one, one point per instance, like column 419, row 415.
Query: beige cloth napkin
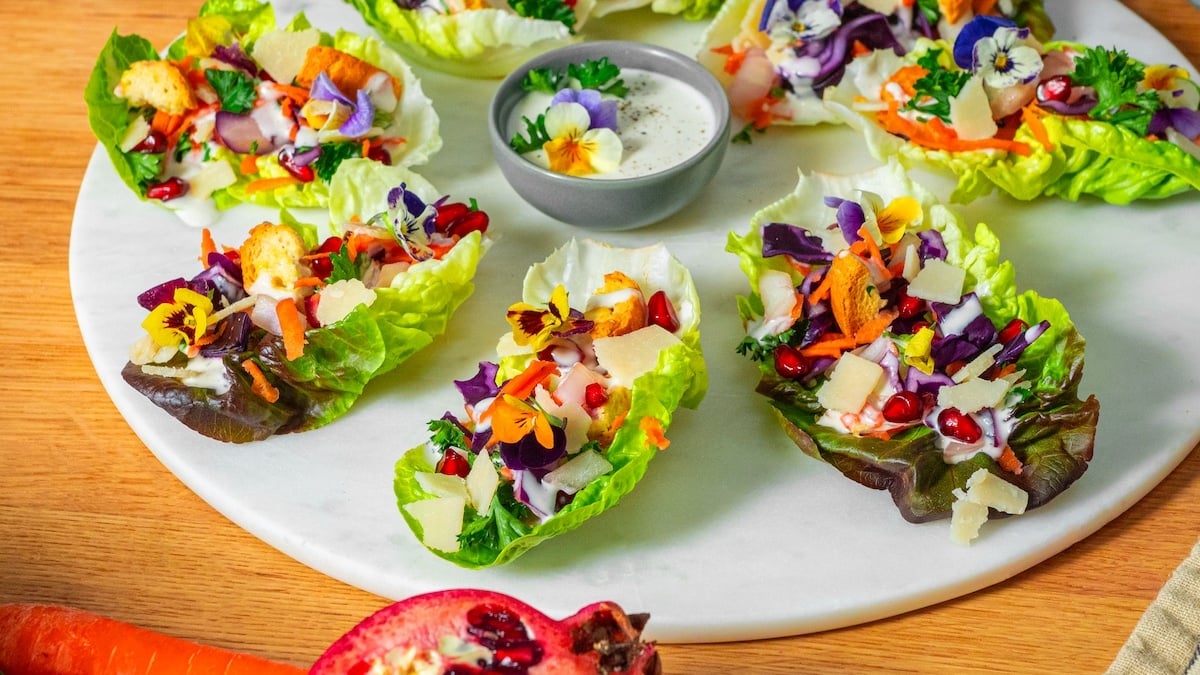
column 1167, row 638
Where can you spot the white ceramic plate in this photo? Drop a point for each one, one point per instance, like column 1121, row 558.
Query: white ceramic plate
column 734, row 534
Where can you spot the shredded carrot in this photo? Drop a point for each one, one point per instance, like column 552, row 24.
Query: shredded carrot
column 263, row 184
column 258, row 382
column 832, row 346
column 867, row 247
column 249, row 165
column 822, row 290
column 882, row 434
column 207, row 246
column 166, row 123
column 292, row 326
column 53, row 639
column 366, row 148
column 1008, row 461
column 859, row 49
column 309, row 282
column 733, row 59
column 1031, row 115
column 872, row 329
column 935, row 135
column 983, row 6
column 907, row 78
column 294, row 94
column 654, row 432
column 618, row 422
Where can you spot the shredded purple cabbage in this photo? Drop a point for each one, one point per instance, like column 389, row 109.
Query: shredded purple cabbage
column 932, row 245
column 1015, row 347
column 231, row 338
column 784, row 239
column 234, row 56
column 481, row 386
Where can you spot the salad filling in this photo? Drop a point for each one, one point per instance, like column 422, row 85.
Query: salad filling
column 999, row 108
column 603, row 349
column 777, row 57
column 241, row 111
column 282, row 333
column 894, row 346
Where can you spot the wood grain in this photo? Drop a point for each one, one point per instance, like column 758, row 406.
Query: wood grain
column 88, row 517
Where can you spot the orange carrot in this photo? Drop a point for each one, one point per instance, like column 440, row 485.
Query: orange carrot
column 166, row 123
column 832, row 347
column 822, row 290
column 259, row 384
column 292, row 327
column 654, row 432
column 872, row 329
column 207, row 246
column 935, row 135
column 297, row 95
column 1031, row 115
column 249, row 164
column 867, row 246
column 53, row 640
column 366, row 147
column 309, row 282
column 1008, row 460
column 733, row 59
column 270, row 184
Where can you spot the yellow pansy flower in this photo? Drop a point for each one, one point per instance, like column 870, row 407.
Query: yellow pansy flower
column 183, row 320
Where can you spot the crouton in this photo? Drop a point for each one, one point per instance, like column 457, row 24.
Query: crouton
column 349, row 73
column 271, row 260
column 157, row 84
column 617, row 308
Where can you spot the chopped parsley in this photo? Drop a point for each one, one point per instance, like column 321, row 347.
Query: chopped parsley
column 761, row 350
column 502, row 525
column 445, row 433
column 145, row 166
column 235, row 89
column 935, row 90
column 331, row 157
column 599, row 74
column 548, row 10
column 345, row 265
column 536, row 129
column 1115, row 77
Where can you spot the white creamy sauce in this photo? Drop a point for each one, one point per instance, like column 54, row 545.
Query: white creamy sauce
column 661, row 122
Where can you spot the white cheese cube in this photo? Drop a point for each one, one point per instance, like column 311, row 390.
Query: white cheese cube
column 440, row 519
column 441, row 485
column 966, row 519
column 282, row 53
column 973, row 395
column 938, row 281
column 481, row 482
column 851, row 382
column 978, row 365
column 576, row 473
column 986, row 488
column 627, row 356
column 971, row 113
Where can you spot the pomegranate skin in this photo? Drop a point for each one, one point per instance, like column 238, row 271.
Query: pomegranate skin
column 600, row 638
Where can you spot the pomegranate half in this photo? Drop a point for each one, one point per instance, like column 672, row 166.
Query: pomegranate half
column 479, row 632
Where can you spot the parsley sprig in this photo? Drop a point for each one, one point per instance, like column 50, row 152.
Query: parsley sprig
column 1115, row 77
column 235, row 89
column 548, row 10
column 762, row 350
column 599, row 74
column 537, row 136
column 345, row 266
column 937, row 87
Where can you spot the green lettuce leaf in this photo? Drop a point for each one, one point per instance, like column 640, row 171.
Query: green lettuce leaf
column 1086, row 157
column 1055, row 430
column 243, row 22
column 680, row 378
column 480, row 43
column 339, row 360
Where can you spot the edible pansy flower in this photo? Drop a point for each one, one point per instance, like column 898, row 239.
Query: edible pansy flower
column 808, row 20
column 978, row 28
column 1174, row 86
column 514, row 419
column 184, row 319
column 1004, row 60
column 892, row 219
column 602, row 112
column 329, row 109
column 410, row 220
column 535, row 326
column 574, row 147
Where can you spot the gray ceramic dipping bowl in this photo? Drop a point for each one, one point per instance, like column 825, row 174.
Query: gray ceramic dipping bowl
column 611, row 203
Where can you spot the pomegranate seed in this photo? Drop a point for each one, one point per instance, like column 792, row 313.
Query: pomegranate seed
column 153, row 143
column 902, row 407
column 958, row 425
column 378, row 154
column 523, row 654
column 1057, row 88
column 310, row 309
column 790, row 363
column 448, row 213
column 918, row 325
column 321, row 267
column 909, row 306
column 1012, row 330
column 473, row 221
column 661, row 312
column 495, row 622
column 167, row 190
column 594, row 395
column 454, row 464
column 287, row 160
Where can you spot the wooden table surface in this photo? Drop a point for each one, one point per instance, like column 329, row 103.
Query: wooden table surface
column 89, row 518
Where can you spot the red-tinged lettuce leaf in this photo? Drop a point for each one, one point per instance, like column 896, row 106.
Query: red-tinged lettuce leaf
column 1053, row 437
